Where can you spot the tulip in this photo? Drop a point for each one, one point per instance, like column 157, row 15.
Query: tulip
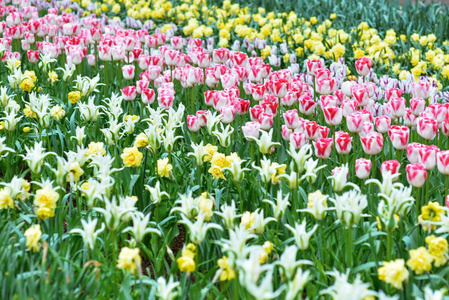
column 306, row 104
column 298, row 139
column 148, row 96
column 129, row 93
column 397, row 106
column 382, row 123
column 391, row 166
column 266, row 120
column 313, row 65
column 286, row 133
column 326, row 86
column 251, row 130
column 227, row 113
column 361, row 94
column 393, row 93
column 349, row 107
column 343, row 142
column 355, row 122
column 323, row 147
column 399, row 136
column 427, row 128
column 443, row 162
column 128, row 72
column 311, row 128
column 363, row 66
column 291, row 119
column 193, row 123
column 421, row 89
column 417, row 105
column 372, row 144
column 363, row 168
column 333, row 115
column 409, row 118
column 416, row 174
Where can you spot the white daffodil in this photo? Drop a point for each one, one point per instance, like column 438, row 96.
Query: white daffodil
column 265, row 169
column 198, row 229
column 88, row 233
column 155, row 193
column 188, row 206
column 340, row 179
column 112, row 213
column 140, row 226
column 224, row 135
column 228, row 213
column 300, row 156
column 198, row 153
column 265, row 142
column 67, row 71
column 301, row 235
column 280, row 205
column 343, row 290
column 4, row 97
column 4, row 148
column 288, row 262
column 349, row 207
column 35, row 157
column 238, row 173
column 167, row 290
column 387, row 185
column 399, row 200
column 89, row 111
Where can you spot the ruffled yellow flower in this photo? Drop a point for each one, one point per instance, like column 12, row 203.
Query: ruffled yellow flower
column 248, row 219
column 393, row 272
column 129, row 260
column 206, row 205
column 57, row 112
column 164, row 168
column 420, row 260
column 75, row 172
column 29, row 112
column 216, row 172
column 227, row 273
column 132, row 157
column 219, row 159
column 74, row 96
column 141, row 140
column 52, row 77
column 438, row 248
column 210, row 151
column 45, row 213
column 312, row 197
column 27, row 85
column 46, row 197
column 186, row 263
column 95, row 149
column 5, row 199
column 33, row 235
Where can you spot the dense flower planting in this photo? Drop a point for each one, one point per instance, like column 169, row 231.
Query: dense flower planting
column 285, row 159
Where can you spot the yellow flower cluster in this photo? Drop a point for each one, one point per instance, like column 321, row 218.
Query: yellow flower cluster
column 129, row 260
column 45, row 200
column 218, row 160
column 164, row 168
column 393, row 272
column 227, row 273
column 28, row 81
column 33, row 235
column 186, row 262
column 267, row 249
column 132, row 157
column 430, row 213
